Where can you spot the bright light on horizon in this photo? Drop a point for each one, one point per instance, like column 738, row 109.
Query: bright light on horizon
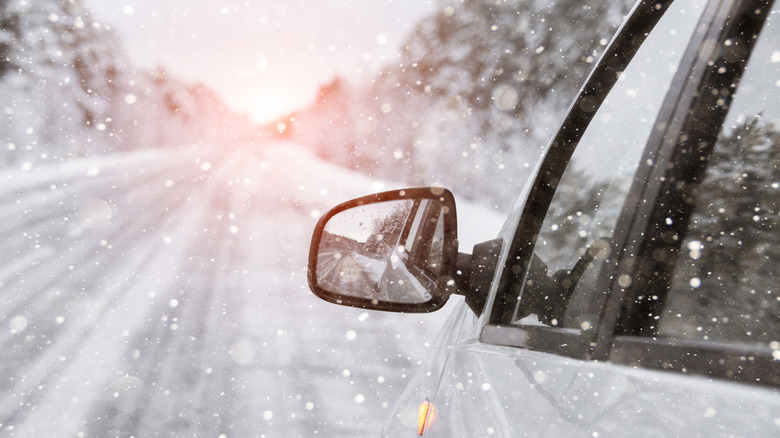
column 265, row 106
column 264, row 59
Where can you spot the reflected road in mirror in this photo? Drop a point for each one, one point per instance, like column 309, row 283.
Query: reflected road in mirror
column 386, row 251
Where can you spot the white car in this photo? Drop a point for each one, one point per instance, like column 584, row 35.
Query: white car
column 633, row 291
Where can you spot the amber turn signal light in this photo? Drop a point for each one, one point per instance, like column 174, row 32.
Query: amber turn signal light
column 425, row 417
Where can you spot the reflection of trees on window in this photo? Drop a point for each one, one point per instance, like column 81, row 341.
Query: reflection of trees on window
column 725, row 285
column 335, row 242
column 575, row 239
column 573, row 220
column 386, row 230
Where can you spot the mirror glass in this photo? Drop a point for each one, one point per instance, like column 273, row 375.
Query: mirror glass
column 388, row 251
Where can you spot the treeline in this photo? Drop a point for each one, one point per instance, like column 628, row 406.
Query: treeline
column 67, row 89
column 472, row 99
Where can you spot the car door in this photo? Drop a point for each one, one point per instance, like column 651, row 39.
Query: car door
column 569, row 343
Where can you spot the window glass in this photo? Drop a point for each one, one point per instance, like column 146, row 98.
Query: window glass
column 575, row 237
column 725, row 281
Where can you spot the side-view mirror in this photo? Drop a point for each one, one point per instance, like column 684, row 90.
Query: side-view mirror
column 392, row 251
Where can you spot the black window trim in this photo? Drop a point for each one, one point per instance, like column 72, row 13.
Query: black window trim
column 561, row 341
column 733, row 362
column 641, row 198
column 608, row 342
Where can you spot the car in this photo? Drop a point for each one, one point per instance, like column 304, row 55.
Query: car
column 633, row 290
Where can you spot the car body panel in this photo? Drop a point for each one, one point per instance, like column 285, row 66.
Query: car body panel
column 501, row 391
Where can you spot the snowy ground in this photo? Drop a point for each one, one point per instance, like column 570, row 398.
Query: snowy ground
column 164, row 294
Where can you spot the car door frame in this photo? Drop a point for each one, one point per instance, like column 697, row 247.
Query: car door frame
column 674, row 117
column 694, row 123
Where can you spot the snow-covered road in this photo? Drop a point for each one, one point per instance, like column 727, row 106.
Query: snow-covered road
column 163, row 293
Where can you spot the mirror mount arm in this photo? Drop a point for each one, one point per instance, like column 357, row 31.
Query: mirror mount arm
column 462, row 274
column 474, row 273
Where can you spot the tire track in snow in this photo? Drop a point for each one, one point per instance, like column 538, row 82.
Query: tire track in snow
column 86, row 253
column 46, row 372
column 27, row 226
column 80, row 254
column 156, row 353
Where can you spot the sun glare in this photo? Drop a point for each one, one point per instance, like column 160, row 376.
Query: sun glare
column 269, row 105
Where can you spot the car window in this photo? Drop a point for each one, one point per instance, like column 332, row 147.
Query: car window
column 724, row 282
column 558, row 289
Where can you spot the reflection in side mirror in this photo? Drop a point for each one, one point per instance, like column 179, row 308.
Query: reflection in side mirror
column 391, row 251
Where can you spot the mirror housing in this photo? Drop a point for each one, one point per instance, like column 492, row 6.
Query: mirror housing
column 393, row 251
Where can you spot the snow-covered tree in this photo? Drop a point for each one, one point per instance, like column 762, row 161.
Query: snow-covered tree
column 67, row 89
column 474, row 95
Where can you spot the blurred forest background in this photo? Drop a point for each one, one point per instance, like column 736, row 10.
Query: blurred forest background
column 469, row 103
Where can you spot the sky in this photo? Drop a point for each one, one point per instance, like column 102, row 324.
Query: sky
column 265, row 58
